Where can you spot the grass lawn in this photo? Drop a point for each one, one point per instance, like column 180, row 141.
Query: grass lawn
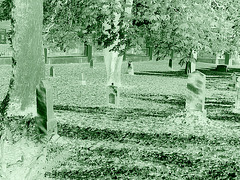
column 147, row 137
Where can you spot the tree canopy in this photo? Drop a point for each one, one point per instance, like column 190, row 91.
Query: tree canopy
column 175, row 25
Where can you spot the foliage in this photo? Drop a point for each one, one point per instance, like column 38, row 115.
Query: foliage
column 183, row 26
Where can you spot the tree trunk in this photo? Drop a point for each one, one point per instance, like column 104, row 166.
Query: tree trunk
column 112, row 59
column 170, row 64
column 28, row 58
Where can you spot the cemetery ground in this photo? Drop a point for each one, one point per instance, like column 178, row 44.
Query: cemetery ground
column 147, row 137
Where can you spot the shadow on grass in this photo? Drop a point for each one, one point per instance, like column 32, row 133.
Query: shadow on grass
column 161, row 99
column 209, row 72
column 178, row 74
column 119, row 113
column 141, row 138
column 223, row 114
column 105, row 170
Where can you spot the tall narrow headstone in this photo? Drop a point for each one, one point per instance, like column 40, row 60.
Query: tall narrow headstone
column 236, row 108
column 217, row 58
column 195, row 99
column 130, row 68
column 83, row 82
column 45, row 55
column 227, row 57
column 46, row 121
column 90, row 58
column 234, row 79
column 188, row 67
column 170, row 64
column 113, row 96
column 52, row 71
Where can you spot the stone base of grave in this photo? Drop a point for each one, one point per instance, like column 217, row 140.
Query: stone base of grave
column 113, row 96
column 196, row 117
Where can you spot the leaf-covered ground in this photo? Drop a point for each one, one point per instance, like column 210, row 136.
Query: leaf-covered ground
column 147, row 137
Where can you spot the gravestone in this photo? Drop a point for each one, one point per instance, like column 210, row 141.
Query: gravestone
column 236, row 108
column 45, row 55
column 170, row 64
column 234, row 79
column 193, row 66
column 227, row 58
column 113, row 95
column 130, row 68
column 222, row 68
column 188, row 67
column 46, row 121
column 52, row 71
column 195, row 97
column 83, row 82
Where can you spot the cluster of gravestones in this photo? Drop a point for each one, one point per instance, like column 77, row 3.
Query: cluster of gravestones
column 195, row 99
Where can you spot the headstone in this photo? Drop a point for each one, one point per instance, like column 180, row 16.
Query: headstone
column 170, row 64
column 217, row 59
column 46, row 121
column 227, row 58
column 83, row 82
column 52, row 71
column 188, row 67
column 130, row 68
column 45, row 55
column 222, row 68
column 234, row 79
column 90, row 57
column 193, row 66
column 113, row 95
column 195, row 99
column 236, row 108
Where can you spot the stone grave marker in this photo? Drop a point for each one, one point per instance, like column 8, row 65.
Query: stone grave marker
column 46, row 121
column 195, row 99
column 236, row 108
column 113, row 95
column 83, row 82
column 188, row 67
column 130, row 68
column 52, row 71
column 234, row 79
column 222, row 68
column 46, row 55
column 170, row 64
column 193, row 66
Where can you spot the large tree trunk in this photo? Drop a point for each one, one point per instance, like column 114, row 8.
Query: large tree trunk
column 20, row 156
column 28, row 62
column 112, row 59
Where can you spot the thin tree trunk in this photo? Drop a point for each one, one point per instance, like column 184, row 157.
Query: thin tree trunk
column 28, row 60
